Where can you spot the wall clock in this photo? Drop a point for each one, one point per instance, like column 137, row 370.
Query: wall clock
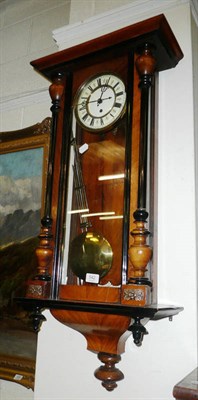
column 95, row 269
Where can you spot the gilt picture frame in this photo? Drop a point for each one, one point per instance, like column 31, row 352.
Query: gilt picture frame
column 23, row 175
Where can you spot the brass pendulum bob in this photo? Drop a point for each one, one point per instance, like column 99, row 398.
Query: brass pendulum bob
column 90, row 253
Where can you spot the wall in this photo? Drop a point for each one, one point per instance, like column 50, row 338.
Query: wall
column 195, row 96
column 64, row 366
column 25, row 34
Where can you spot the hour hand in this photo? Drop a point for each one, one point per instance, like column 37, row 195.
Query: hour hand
column 99, row 101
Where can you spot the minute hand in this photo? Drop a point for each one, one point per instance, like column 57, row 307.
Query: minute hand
column 99, row 101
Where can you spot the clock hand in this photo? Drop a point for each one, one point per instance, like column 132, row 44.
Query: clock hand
column 99, row 101
column 103, row 89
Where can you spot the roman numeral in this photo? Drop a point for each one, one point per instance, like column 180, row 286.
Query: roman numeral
column 107, row 81
column 116, row 85
column 90, row 88
column 119, row 94
column 117, row 105
column 82, row 106
column 101, row 122
column 99, row 81
column 92, row 122
column 85, row 117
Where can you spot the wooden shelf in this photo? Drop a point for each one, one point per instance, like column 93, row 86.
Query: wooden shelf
column 153, row 311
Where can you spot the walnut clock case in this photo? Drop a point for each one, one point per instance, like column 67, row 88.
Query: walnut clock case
column 95, row 269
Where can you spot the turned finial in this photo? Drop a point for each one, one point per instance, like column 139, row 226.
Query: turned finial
column 108, row 373
column 140, row 252
column 56, row 91
column 145, row 64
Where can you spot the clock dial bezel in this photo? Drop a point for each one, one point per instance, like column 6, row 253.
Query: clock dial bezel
column 90, row 96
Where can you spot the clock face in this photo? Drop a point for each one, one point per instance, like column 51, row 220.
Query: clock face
column 100, row 102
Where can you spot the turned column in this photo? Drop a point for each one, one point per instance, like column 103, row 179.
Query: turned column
column 40, row 286
column 138, row 290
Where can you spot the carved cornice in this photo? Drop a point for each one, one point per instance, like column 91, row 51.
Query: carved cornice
column 23, row 364
column 17, row 369
column 37, row 130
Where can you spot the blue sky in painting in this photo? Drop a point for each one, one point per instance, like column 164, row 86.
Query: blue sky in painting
column 22, row 164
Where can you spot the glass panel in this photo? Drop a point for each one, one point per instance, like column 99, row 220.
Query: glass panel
column 94, row 220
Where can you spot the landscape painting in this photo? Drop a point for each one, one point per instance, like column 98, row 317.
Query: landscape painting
column 20, row 200
column 22, row 180
column 20, row 214
column 23, row 171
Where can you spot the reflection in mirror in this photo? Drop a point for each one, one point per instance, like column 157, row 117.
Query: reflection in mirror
column 23, row 164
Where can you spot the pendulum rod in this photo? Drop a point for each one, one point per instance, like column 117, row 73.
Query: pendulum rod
column 62, row 189
column 79, row 187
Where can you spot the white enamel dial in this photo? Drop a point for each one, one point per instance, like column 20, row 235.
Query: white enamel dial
column 100, row 102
